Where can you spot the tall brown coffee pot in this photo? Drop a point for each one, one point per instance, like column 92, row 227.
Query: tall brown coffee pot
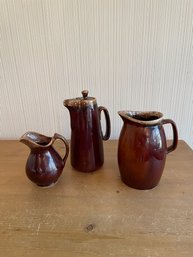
column 86, row 133
column 143, row 148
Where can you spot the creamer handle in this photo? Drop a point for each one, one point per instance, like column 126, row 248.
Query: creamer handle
column 58, row 136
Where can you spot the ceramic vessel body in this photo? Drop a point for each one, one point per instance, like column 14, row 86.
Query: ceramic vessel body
column 86, row 135
column 86, row 140
column 142, row 151
column 44, row 165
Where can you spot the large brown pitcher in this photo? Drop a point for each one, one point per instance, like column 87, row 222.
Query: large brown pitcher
column 143, row 148
column 86, row 134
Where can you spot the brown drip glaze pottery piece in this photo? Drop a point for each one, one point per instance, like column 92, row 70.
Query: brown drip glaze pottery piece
column 142, row 148
column 86, row 134
column 44, row 165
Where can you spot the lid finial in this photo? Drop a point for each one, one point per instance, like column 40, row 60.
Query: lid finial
column 84, row 93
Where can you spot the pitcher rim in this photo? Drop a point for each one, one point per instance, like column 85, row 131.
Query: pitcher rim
column 35, row 143
column 129, row 115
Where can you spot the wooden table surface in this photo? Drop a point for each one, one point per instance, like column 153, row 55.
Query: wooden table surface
column 95, row 214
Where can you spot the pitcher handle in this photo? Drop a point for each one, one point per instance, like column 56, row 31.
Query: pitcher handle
column 174, row 144
column 58, row 136
column 108, row 123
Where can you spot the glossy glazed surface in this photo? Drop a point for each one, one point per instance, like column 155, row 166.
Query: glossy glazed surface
column 86, row 139
column 44, row 165
column 86, row 134
column 142, row 152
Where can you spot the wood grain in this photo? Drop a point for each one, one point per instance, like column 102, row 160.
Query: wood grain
column 95, row 214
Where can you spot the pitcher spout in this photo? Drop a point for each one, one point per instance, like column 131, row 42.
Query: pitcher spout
column 35, row 140
column 67, row 103
column 142, row 118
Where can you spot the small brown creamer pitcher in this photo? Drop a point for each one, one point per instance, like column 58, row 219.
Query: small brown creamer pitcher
column 86, row 133
column 142, row 148
column 44, row 165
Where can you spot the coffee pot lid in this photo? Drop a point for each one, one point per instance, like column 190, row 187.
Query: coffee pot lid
column 85, row 100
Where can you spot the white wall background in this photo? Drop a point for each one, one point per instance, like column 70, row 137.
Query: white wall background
column 129, row 54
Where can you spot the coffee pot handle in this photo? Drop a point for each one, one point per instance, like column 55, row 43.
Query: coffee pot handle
column 174, row 144
column 58, row 136
column 108, row 123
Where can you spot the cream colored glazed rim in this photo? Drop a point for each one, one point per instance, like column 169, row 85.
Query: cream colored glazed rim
column 79, row 102
column 83, row 101
column 129, row 115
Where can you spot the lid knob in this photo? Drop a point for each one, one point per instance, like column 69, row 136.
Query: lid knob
column 84, row 93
